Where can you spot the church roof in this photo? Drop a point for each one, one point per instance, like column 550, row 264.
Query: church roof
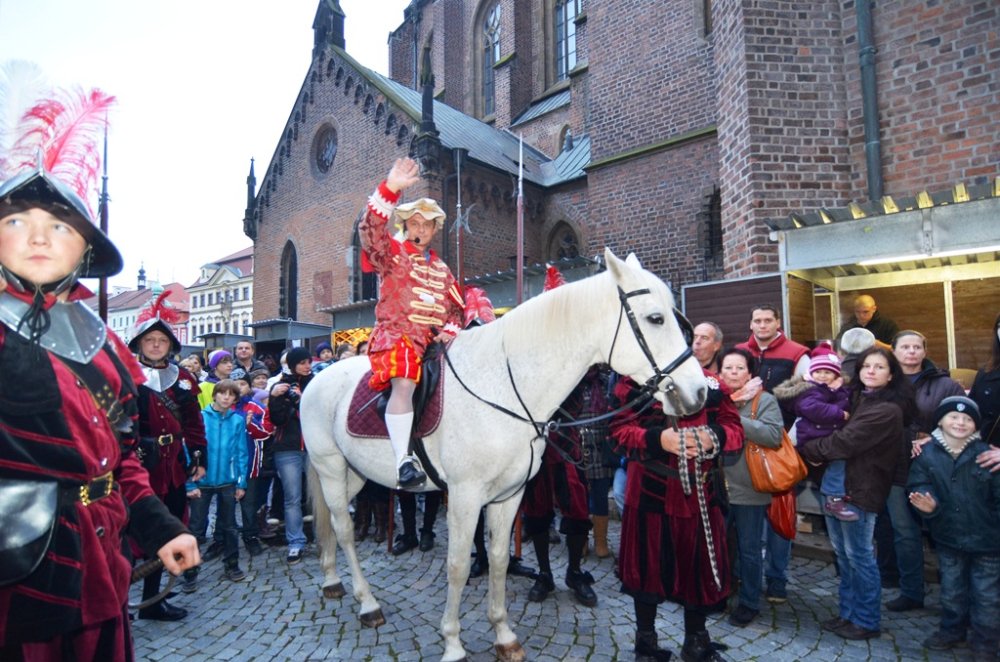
column 493, row 147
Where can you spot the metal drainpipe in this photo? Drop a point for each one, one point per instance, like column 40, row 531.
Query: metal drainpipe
column 869, row 98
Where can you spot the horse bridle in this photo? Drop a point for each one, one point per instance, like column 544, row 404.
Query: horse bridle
column 646, row 392
column 659, row 374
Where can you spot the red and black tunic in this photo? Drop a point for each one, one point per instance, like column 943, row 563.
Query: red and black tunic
column 52, row 429
column 664, row 548
column 178, row 421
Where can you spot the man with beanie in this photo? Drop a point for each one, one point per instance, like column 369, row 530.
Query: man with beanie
column 960, row 501
column 419, row 303
column 288, row 447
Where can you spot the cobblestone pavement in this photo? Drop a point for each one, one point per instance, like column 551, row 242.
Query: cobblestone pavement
column 278, row 613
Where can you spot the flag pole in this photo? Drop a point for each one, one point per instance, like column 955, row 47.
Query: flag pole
column 519, row 269
column 102, row 290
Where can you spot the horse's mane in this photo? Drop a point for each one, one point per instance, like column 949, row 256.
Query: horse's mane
column 555, row 313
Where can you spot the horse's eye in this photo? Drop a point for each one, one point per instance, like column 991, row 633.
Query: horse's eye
column 655, row 318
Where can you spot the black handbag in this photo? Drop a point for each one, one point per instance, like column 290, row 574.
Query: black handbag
column 27, row 522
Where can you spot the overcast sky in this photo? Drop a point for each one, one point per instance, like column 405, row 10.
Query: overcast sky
column 202, row 87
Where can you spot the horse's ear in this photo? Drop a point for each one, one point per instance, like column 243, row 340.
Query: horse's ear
column 633, row 261
column 616, row 266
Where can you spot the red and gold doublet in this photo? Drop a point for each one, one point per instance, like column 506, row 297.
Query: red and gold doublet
column 417, row 292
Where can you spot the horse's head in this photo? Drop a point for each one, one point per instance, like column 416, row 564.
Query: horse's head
column 652, row 338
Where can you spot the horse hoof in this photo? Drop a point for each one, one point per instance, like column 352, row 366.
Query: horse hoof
column 373, row 619
column 334, row 591
column 512, row 652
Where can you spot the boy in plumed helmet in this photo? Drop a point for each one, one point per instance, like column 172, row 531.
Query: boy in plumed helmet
column 67, row 435
column 419, row 302
column 960, row 501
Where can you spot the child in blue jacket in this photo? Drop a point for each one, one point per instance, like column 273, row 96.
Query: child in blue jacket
column 960, row 501
column 225, row 476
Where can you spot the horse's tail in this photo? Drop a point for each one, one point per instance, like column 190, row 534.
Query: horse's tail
column 321, row 511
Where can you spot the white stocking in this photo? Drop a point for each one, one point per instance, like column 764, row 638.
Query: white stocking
column 399, row 426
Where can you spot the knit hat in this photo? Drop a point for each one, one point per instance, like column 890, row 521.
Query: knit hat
column 961, row 404
column 217, row 356
column 856, row 340
column 824, row 358
column 297, row 355
column 256, row 373
column 320, row 347
column 239, row 374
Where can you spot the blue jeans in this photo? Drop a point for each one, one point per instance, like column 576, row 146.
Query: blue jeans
column 290, row 465
column 778, row 556
column 618, row 488
column 748, row 521
column 860, row 585
column 225, row 518
column 249, row 505
column 970, row 593
column 833, row 478
column 908, row 543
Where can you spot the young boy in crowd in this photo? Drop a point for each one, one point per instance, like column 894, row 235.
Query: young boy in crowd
column 960, row 501
column 821, row 403
column 226, row 476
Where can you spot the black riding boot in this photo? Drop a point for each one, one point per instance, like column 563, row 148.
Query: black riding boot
column 647, row 647
column 698, row 646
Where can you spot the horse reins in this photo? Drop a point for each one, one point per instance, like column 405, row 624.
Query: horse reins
column 646, row 391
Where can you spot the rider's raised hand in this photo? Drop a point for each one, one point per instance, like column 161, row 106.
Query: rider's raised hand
column 404, row 173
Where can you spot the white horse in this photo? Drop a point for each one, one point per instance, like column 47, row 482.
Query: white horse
column 535, row 355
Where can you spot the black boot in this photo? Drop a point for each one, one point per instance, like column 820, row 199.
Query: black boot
column 362, row 519
column 698, row 647
column 404, row 543
column 647, row 648
column 381, row 509
column 579, row 582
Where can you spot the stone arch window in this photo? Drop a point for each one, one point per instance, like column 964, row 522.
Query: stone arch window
column 364, row 285
column 349, row 85
column 563, row 243
column 489, row 50
column 329, row 69
column 358, row 91
column 379, row 113
column 703, row 17
column 402, row 134
column 390, row 124
column 369, row 104
column 288, row 283
column 340, row 76
column 564, row 22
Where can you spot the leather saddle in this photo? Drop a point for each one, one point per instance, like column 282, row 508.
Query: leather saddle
column 366, row 416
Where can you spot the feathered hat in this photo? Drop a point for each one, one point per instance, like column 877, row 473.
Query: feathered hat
column 553, row 278
column 52, row 157
column 157, row 316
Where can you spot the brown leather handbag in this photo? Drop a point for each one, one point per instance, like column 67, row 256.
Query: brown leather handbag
column 773, row 470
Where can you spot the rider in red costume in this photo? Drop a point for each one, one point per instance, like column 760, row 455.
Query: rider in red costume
column 420, row 302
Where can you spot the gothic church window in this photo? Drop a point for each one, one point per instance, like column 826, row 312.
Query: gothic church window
column 490, row 39
column 563, row 243
column 565, row 24
column 288, row 283
column 365, row 284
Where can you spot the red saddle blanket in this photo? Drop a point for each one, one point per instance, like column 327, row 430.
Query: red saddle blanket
column 364, row 420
